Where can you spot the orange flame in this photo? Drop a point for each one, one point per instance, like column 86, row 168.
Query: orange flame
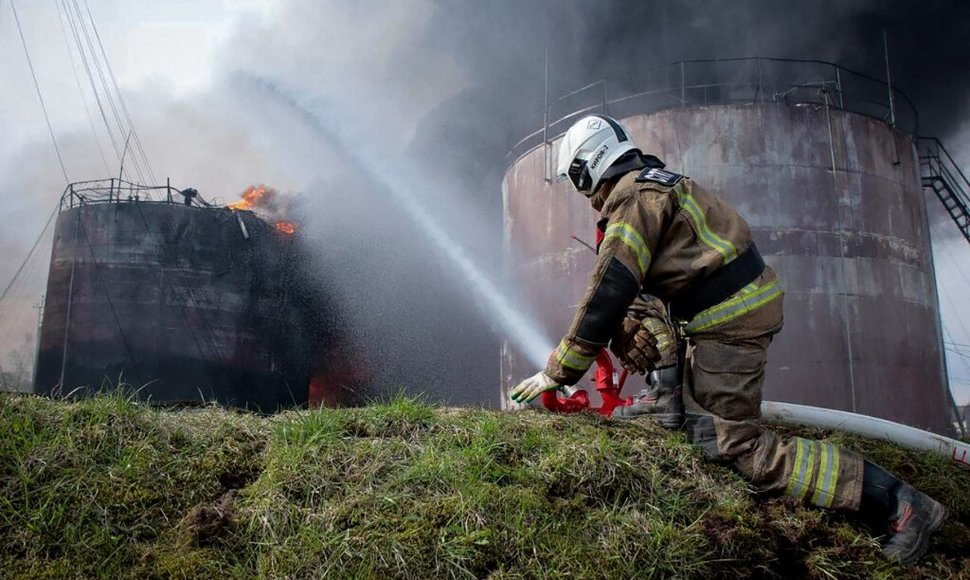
column 287, row 227
column 251, row 198
column 269, row 202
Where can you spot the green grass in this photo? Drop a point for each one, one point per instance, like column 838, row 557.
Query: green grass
column 104, row 487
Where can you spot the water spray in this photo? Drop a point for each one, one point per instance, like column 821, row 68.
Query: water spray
column 396, row 181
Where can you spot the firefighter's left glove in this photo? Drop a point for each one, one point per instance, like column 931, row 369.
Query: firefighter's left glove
column 532, row 387
column 639, row 343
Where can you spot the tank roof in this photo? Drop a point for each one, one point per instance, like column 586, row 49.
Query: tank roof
column 751, row 80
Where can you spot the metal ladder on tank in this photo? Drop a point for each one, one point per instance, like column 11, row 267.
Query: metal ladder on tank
column 943, row 176
column 940, row 173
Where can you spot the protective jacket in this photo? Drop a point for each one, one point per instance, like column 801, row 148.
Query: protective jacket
column 666, row 236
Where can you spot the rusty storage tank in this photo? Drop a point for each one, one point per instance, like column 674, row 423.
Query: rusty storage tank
column 830, row 184
column 183, row 303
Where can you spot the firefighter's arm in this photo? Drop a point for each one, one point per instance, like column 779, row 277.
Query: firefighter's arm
column 623, row 260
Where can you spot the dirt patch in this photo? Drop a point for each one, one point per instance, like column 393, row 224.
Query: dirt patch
column 237, row 479
column 206, row 523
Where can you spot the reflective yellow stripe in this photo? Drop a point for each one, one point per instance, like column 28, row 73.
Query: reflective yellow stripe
column 823, row 473
column 632, row 238
column 828, row 475
column 746, row 301
column 727, row 250
column 570, row 358
column 804, row 478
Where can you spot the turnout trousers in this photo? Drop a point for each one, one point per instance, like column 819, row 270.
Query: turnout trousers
column 725, row 369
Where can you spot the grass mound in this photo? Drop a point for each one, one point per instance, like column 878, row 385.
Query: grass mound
column 104, row 487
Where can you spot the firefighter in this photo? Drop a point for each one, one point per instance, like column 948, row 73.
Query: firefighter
column 664, row 236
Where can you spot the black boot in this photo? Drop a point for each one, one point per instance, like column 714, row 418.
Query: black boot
column 663, row 401
column 912, row 516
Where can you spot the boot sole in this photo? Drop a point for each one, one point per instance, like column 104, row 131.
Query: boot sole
column 937, row 516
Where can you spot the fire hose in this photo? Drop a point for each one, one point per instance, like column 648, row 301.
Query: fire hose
column 608, row 385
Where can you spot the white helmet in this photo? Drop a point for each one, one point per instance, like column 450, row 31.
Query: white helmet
column 588, row 149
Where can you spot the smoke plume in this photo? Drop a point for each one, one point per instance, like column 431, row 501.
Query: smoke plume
column 445, row 88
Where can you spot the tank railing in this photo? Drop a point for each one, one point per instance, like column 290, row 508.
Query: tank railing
column 115, row 190
column 753, row 80
column 933, row 149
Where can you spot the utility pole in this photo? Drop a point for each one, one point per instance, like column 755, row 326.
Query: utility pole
column 40, row 324
column 545, row 120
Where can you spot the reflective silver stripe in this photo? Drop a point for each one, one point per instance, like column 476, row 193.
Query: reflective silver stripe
column 834, row 481
column 632, row 238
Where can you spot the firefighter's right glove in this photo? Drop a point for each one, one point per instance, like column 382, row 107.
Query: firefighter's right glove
column 638, row 344
column 532, row 387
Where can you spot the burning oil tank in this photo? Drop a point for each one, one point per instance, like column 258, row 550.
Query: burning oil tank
column 829, row 182
column 179, row 301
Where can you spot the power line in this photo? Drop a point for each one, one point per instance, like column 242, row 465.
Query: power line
column 87, row 69
column 25, row 264
column 104, row 83
column 956, row 312
column 111, row 90
column 80, row 89
column 959, row 270
column 956, row 262
column 959, row 353
column 121, row 98
column 29, row 254
column 40, row 97
column 946, row 333
column 81, row 30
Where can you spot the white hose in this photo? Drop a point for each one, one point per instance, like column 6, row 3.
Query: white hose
column 909, row 437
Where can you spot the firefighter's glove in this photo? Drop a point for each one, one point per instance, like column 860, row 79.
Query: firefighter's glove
column 532, row 387
column 639, row 343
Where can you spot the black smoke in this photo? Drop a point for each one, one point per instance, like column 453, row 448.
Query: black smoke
column 502, row 46
column 421, row 329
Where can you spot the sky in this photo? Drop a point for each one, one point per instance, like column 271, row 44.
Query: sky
column 437, row 87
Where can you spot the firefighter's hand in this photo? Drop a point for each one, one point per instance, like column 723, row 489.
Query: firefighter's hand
column 636, row 345
column 532, row 387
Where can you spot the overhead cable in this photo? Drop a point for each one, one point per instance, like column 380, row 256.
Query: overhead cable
column 80, row 89
column 16, row 275
column 78, row 18
column 121, row 98
column 40, row 96
column 87, row 69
